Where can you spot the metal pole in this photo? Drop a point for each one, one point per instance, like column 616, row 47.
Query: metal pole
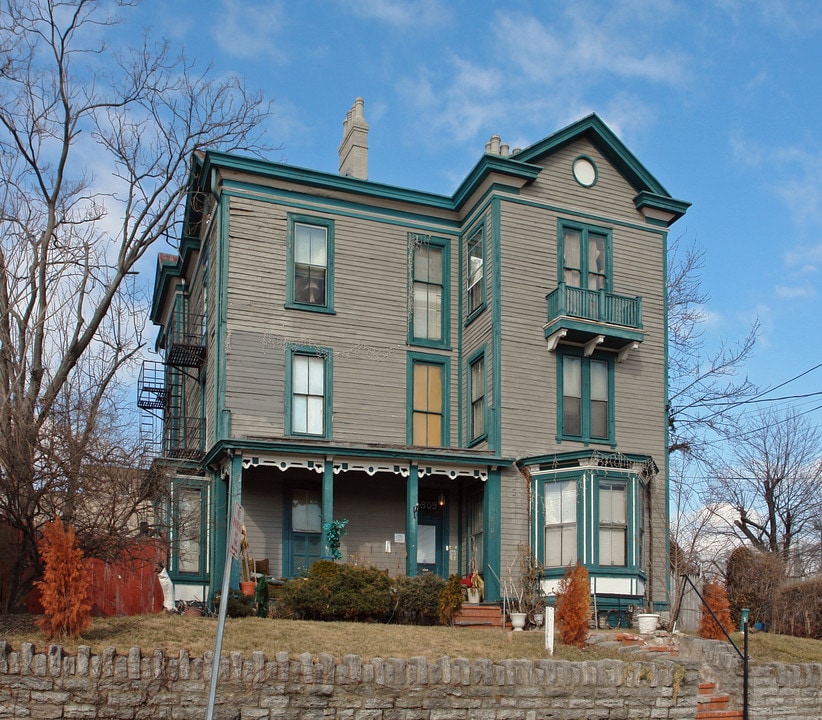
column 218, row 641
column 745, row 673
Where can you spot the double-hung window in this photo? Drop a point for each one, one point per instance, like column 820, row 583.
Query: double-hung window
column 613, row 523
column 308, row 386
column 560, row 525
column 475, row 254
column 310, row 281
column 586, row 407
column 586, row 256
column 429, row 291
column 476, row 379
column 428, row 405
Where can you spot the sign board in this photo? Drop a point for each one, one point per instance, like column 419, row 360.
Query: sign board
column 237, row 517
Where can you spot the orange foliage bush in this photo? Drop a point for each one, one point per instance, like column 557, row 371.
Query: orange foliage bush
column 573, row 602
column 64, row 587
column 716, row 599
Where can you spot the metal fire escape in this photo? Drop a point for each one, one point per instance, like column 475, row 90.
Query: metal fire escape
column 168, row 428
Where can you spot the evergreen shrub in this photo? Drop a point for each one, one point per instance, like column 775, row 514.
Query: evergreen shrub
column 416, row 599
column 332, row 591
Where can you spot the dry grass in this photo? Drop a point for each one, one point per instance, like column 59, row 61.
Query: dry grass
column 174, row 632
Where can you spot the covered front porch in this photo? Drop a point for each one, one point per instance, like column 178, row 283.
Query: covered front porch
column 406, row 515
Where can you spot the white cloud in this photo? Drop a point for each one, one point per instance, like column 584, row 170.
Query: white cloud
column 401, row 13
column 792, row 292
column 588, row 43
column 250, row 30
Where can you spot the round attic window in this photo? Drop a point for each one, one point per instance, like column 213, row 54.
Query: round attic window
column 585, row 172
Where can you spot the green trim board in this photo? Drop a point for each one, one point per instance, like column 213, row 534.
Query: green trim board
column 435, row 456
column 495, row 426
column 491, row 538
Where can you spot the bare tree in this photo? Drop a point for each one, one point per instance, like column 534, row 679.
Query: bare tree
column 95, row 147
column 774, row 482
column 705, row 390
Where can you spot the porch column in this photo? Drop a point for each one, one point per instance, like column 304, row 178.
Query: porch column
column 491, row 508
column 219, row 530
column 235, row 494
column 412, row 497
column 327, row 505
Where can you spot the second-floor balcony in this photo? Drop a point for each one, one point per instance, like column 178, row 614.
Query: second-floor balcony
column 183, row 438
column 593, row 318
column 185, row 343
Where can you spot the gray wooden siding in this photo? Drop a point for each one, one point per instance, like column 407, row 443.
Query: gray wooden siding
column 367, row 333
column 263, row 504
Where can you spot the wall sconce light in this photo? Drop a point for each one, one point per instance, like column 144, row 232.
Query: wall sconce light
column 441, row 500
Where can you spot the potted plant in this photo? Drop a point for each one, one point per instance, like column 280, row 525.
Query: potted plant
column 477, row 587
column 523, row 589
column 513, row 593
column 247, row 582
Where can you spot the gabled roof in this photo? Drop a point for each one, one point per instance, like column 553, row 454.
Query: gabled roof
column 650, row 192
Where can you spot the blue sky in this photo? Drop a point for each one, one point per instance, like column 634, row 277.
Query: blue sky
column 720, row 100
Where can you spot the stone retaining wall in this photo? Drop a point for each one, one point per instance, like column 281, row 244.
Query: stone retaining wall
column 775, row 690
column 56, row 685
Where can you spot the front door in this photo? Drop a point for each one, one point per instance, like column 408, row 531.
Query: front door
column 429, row 544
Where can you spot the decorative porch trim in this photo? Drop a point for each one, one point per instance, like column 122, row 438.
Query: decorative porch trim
column 285, row 462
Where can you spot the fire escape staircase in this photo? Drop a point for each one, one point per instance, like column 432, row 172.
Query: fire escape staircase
column 166, row 429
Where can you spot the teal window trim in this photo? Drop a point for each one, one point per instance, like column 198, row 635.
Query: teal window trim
column 584, row 231
column 327, row 305
column 179, row 530
column 416, row 240
column 634, row 555
column 473, row 359
column 476, row 294
column 576, row 476
column 444, row 362
column 585, row 435
column 588, row 482
column 326, row 354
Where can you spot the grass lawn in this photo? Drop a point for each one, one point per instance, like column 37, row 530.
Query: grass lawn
column 174, row 632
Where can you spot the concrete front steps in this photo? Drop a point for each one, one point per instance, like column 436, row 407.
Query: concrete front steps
column 484, row 615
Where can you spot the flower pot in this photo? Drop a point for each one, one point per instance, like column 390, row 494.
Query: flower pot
column 517, row 620
column 247, row 587
column 647, row 623
column 473, row 596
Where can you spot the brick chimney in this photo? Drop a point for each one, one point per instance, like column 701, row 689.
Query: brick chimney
column 353, row 149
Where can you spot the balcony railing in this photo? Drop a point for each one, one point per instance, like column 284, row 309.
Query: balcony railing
column 594, row 305
column 593, row 317
column 152, row 391
column 186, row 346
column 183, row 438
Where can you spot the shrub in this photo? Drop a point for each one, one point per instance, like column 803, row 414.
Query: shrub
column 64, row 586
column 753, row 579
column 238, row 605
column 799, row 609
column 573, row 602
column 450, row 600
column 416, row 599
column 338, row 592
column 717, row 599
